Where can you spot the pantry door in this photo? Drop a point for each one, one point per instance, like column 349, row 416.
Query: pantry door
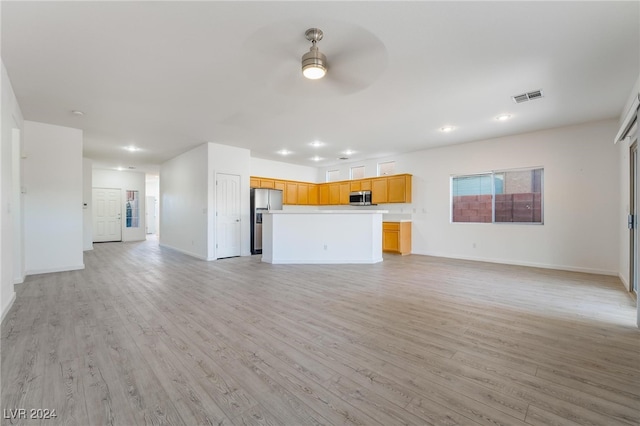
column 228, row 229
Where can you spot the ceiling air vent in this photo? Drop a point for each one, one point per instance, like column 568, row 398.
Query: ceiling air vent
column 529, row 96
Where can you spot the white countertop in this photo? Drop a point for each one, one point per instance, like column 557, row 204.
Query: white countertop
column 397, row 217
column 326, row 212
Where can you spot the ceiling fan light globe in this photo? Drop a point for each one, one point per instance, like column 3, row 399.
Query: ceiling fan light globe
column 314, row 64
column 314, row 72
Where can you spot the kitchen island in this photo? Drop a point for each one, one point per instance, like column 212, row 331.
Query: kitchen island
column 322, row 236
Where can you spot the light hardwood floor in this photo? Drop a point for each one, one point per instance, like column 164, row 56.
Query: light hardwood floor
column 146, row 335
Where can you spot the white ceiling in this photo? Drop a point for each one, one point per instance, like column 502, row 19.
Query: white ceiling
column 167, row 76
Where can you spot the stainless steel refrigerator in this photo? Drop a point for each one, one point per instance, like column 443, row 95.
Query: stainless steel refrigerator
column 261, row 201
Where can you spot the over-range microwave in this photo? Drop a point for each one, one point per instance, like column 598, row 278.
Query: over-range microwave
column 360, row 198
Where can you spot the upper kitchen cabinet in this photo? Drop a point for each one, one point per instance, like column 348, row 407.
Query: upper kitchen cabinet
column 399, row 189
column 361, row 185
column 257, row 182
column 334, row 193
column 291, row 193
column 314, row 194
column 323, row 194
column 391, row 189
column 384, row 189
column 379, row 192
column 303, row 193
column 345, row 190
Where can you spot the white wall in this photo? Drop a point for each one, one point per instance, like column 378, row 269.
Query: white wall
column 235, row 161
column 125, row 181
column 280, row 170
column 52, row 173
column 581, row 199
column 11, row 119
column 184, row 198
column 17, row 205
column 87, row 206
column 188, row 198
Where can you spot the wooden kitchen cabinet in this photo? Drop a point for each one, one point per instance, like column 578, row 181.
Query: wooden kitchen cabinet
column 384, row 189
column 291, row 193
column 334, row 193
column 361, row 185
column 396, row 237
column 399, row 189
column 314, row 194
column 303, row 194
column 365, row 185
column 345, row 190
column 379, row 192
column 323, row 194
column 256, row 182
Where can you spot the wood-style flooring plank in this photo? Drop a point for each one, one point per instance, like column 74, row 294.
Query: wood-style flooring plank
column 147, row 335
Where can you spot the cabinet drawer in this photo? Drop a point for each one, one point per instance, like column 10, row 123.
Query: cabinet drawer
column 390, row 226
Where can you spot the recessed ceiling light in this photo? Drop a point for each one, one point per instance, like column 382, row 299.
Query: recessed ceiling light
column 447, row 129
column 348, row 152
column 503, row 117
column 76, row 112
column 119, row 169
column 316, row 158
column 316, row 144
column 284, row 152
column 132, row 148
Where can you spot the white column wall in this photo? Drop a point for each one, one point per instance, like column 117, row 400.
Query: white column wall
column 11, row 119
column 184, row 198
column 53, row 214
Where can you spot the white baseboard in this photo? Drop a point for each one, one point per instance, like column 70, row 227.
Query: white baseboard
column 19, row 280
column 624, row 280
column 528, row 264
column 57, row 269
column 188, row 253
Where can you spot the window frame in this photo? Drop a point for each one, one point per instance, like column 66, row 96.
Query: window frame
column 356, row 167
column 387, row 174
column 492, row 175
column 328, row 173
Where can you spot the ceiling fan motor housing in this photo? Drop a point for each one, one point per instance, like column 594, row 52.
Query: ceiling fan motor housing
column 314, row 62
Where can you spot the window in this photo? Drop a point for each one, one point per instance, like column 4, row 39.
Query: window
column 333, row 175
column 132, row 211
column 388, row 168
column 357, row 172
column 508, row 196
column 471, row 198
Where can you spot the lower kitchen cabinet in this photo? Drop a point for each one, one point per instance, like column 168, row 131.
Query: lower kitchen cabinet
column 396, row 237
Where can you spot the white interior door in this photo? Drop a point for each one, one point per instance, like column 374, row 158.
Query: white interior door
column 150, row 211
column 107, row 215
column 227, row 215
